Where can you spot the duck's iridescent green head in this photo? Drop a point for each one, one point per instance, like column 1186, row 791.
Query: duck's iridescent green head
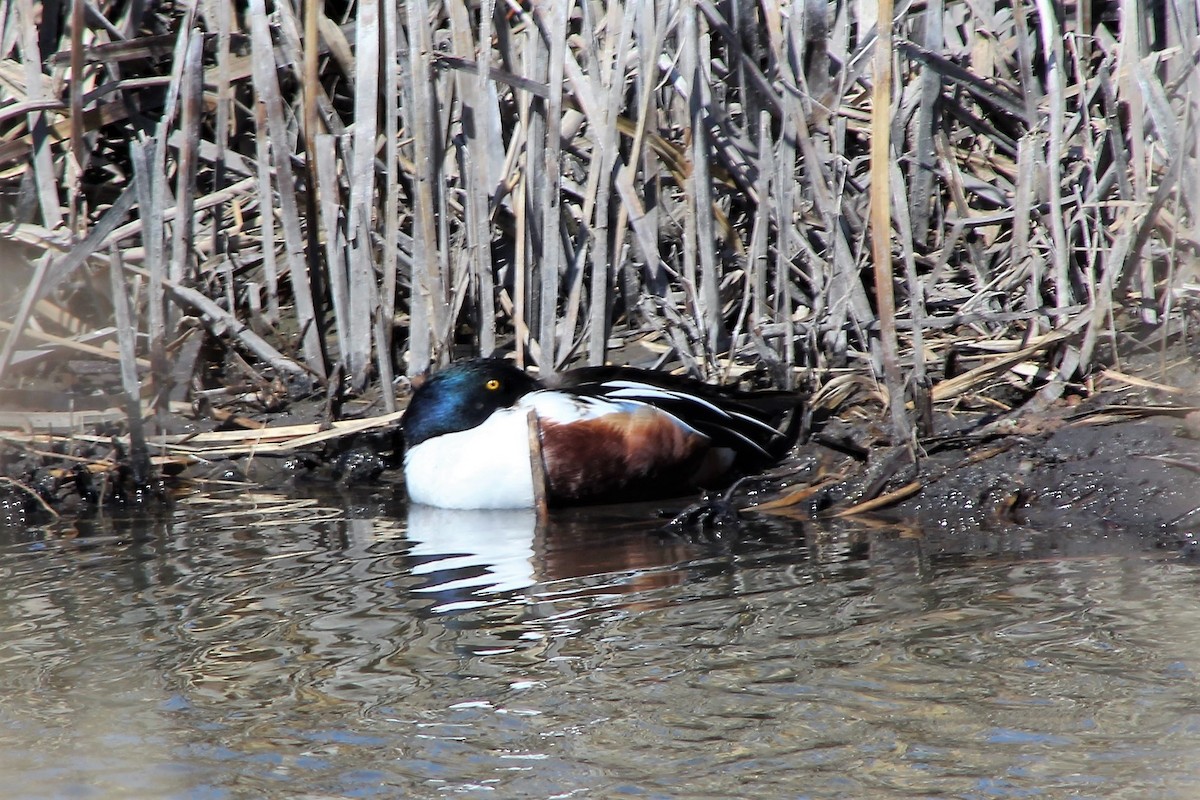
column 461, row 397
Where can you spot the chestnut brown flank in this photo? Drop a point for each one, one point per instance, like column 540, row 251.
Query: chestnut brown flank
column 622, row 455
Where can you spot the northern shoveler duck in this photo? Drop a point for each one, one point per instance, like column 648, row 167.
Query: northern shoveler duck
column 483, row 434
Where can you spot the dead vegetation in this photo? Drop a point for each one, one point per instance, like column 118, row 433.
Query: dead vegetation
column 266, row 200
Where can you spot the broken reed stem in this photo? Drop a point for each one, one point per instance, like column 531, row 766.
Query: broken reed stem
column 42, row 165
column 139, row 454
column 224, row 20
column 320, row 270
column 78, row 155
column 922, row 197
column 918, row 379
column 552, row 256
column 701, row 234
column 363, row 301
column 329, row 197
column 428, row 306
column 141, row 154
column 1053, row 51
column 385, row 311
column 191, row 95
column 536, row 68
column 881, row 225
column 480, row 117
column 266, row 217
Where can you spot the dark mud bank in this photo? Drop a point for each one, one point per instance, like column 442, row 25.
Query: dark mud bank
column 1089, row 471
column 1134, row 475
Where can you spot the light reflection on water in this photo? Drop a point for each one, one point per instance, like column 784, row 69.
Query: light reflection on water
column 268, row 647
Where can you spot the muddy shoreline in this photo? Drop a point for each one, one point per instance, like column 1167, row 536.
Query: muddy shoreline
column 1097, row 467
column 1116, row 462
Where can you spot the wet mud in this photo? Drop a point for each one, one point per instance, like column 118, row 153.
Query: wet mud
column 1103, row 468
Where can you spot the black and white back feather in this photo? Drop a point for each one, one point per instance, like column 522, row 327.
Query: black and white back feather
column 758, row 426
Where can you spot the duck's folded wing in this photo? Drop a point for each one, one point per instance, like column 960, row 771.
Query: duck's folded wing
column 726, row 421
column 598, row 447
column 759, row 427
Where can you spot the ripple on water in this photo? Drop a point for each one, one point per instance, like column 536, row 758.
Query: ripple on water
column 255, row 647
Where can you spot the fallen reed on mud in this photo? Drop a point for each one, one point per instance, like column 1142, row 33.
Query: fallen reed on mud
column 340, row 192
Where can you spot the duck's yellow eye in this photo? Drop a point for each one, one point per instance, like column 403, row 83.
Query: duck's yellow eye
column 492, row 385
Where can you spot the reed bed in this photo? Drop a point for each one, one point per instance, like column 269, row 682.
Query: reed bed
column 342, row 192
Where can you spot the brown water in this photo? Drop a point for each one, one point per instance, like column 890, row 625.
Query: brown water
column 337, row 647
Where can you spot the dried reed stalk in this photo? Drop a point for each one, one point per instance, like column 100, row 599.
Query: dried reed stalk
column 881, row 221
column 437, row 179
column 126, row 333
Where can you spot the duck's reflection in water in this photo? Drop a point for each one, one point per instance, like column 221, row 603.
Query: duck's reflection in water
column 464, row 556
column 471, row 558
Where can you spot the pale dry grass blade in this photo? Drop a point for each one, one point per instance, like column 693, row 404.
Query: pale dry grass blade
column 42, row 165
column 527, row 295
column 1053, row 50
column 921, row 169
column 266, row 218
column 181, row 265
column 603, row 246
column 222, row 13
column 700, row 268
column 392, row 56
column 333, row 224
column 64, row 343
column 429, row 291
column 78, row 158
column 139, row 456
column 757, row 259
column 308, row 45
column 141, row 154
column 553, row 18
column 363, row 303
column 881, row 227
column 1028, row 260
column 481, row 138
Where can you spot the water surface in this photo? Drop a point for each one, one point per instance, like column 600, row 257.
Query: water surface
column 338, row 645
